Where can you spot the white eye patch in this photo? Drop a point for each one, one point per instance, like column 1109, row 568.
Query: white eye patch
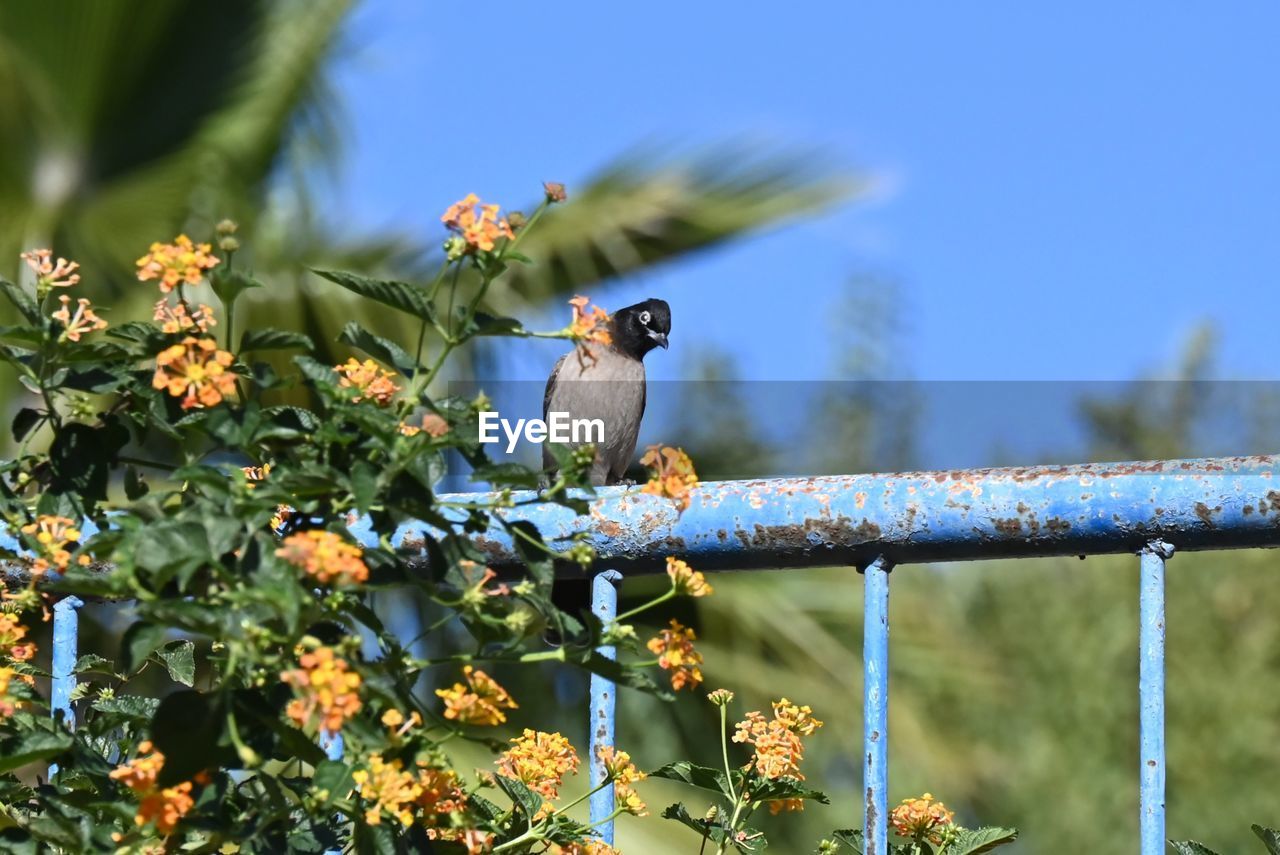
column 645, row 317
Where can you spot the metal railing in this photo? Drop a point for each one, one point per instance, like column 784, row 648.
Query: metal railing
column 876, row 522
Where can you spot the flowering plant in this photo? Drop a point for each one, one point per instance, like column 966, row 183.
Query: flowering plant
column 276, row 712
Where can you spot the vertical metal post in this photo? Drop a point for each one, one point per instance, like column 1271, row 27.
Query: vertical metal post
column 1151, row 697
column 875, row 705
column 604, row 605
column 332, row 744
column 66, row 633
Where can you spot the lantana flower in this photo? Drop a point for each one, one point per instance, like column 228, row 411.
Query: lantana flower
column 369, row 380
column 540, row 761
column 195, row 371
column 12, row 635
column 674, row 647
column 82, row 322
column 389, row 787
column 672, row 474
column 778, row 744
column 49, row 274
column 480, row 701
column 176, row 318
column 53, row 535
column 325, row 686
column 432, row 425
column 8, row 703
column 166, row 806
column 624, row 774
column 686, row 580
column 921, row 818
column 325, row 557
column 176, row 263
column 590, row 323
column 479, row 225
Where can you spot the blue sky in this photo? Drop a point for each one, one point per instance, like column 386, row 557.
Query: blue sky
column 1063, row 193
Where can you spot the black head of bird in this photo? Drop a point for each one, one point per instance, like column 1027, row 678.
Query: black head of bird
column 640, row 328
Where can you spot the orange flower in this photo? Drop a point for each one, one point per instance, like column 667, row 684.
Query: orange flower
column 673, row 475
column 12, row 633
column 540, row 761
column 165, row 806
column 325, row 556
column 624, row 774
column 53, row 536
column 687, row 580
column 554, row 190
column 50, row 275
column 389, row 787
column 82, row 322
column 175, row 263
column 920, row 818
column 478, row 230
column 369, row 380
column 778, row 745
column 480, row 702
column 675, row 651
column 195, row 371
column 589, row 847
column 327, row 686
column 590, row 323
column 177, row 319
column 432, row 424
column 8, row 703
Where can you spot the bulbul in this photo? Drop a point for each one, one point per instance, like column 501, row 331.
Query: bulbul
column 607, row 383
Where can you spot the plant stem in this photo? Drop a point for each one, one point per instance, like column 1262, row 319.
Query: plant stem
column 654, row 602
column 724, row 750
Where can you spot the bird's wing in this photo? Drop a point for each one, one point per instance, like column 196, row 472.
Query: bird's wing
column 551, row 386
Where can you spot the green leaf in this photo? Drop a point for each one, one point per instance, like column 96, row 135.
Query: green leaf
column 32, row 746
column 24, row 421
column 92, row 663
column 974, row 841
column 126, row 709
column 272, row 339
column 21, row 300
column 528, row 801
column 230, row 284
column 333, row 777
column 380, row 348
column 316, row 372
column 753, row 840
column 1269, row 836
column 398, row 295
column 1190, row 847
column 486, row 324
column 773, row 789
column 697, row 776
column 139, row 642
column 178, row 658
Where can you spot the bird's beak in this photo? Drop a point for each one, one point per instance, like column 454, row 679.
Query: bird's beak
column 660, row 338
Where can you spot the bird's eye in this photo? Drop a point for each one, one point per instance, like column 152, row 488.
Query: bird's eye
column 645, row 317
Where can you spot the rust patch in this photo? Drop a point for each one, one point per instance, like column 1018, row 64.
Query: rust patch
column 1009, row 527
column 1023, row 507
column 859, row 499
column 1248, row 510
column 1273, row 499
column 610, row 528
column 1206, row 514
column 1057, row 525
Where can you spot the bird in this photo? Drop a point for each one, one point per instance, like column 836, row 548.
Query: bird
column 607, row 382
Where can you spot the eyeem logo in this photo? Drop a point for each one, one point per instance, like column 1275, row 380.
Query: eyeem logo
column 558, row 427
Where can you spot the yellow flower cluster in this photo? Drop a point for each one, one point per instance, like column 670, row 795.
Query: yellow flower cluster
column 675, row 651
column 8, row 704
column 326, row 685
column 12, row 633
column 175, row 263
column 778, row 745
column 590, row 323
column 540, row 761
column 432, row 425
column 672, row 475
column 326, row 557
column 166, row 806
column 82, row 322
column 195, row 371
column 922, row 817
column 480, row 702
column 389, row 787
column 48, row 274
column 368, row 379
column 687, row 581
column 591, row 847
column 624, row 774
column 178, row 319
column 53, row 535
column 479, row 230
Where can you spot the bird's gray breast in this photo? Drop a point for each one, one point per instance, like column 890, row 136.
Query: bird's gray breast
column 610, row 389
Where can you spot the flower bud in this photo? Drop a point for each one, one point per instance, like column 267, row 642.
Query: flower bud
column 228, row 244
column 516, row 220
column 720, row 697
column 226, row 227
column 555, row 191
column 455, row 247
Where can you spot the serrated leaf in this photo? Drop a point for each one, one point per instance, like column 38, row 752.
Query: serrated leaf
column 32, row 746
column 95, row 664
column 139, row 642
column 1269, row 836
column 398, row 295
column 230, row 284
column 316, row 372
column 21, row 300
column 333, row 777
column 696, row 776
column 1190, row 847
column 526, row 799
column 273, row 339
column 380, row 348
column 974, row 841
column 178, row 658
column 486, row 324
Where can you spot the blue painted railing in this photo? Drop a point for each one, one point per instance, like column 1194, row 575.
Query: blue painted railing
column 876, row 522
